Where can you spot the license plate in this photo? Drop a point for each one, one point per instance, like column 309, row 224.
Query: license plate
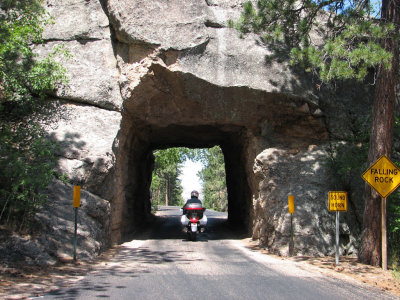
column 193, row 226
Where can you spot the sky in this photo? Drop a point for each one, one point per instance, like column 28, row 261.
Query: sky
column 189, row 179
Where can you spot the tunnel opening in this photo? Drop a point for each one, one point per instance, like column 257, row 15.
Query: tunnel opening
column 179, row 171
column 135, row 199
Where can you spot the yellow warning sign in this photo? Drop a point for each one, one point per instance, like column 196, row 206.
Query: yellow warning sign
column 76, row 201
column 337, row 201
column 383, row 176
column 291, row 203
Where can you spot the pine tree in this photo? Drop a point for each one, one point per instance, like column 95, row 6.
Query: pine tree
column 381, row 135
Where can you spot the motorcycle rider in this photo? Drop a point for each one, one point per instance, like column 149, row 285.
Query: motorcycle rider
column 194, row 198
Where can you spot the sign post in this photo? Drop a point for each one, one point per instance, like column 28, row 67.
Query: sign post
column 291, row 211
column 76, row 203
column 384, row 234
column 337, row 203
column 384, row 177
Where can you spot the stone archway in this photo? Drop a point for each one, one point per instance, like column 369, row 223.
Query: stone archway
column 169, row 109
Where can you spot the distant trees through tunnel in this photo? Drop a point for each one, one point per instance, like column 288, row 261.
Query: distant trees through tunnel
column 177, row 171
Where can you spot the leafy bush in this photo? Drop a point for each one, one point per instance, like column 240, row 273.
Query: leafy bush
column 26, row 164
column 393, row 232
column 26, row 156
column 393, row 214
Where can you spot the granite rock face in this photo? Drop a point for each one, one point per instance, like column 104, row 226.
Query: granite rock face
column 57, row 220
column 52, row 240
column 146, row 75
column 86, row 135
column 305, row 175
column 82, row 28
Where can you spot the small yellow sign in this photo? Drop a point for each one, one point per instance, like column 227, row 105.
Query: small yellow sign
column 77, row 196
column 383, row 176
column 291, row 203
column 337, row 201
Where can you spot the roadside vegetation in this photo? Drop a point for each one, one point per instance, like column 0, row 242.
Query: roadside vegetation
column 393, row 218
column 26, row 156
column 347, row 161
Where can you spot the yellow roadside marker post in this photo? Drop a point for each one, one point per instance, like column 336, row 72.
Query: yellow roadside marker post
column 337, row 203
column 384, row 177
column 291, row 211
column 76, row 203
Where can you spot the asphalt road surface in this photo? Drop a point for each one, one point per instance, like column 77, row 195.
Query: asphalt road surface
column 164, row 265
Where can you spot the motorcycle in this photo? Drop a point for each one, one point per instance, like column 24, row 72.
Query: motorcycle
column 193, row 220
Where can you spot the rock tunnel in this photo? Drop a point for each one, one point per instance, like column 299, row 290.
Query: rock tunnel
column 175, row 109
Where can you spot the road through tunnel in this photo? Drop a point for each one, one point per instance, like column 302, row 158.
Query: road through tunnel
column 174, row 109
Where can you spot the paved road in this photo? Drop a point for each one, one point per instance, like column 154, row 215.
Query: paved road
column 217, row 266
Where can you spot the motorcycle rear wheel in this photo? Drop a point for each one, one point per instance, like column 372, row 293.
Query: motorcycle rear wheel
column 192, row 236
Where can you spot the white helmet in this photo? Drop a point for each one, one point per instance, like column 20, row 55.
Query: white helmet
column 194, row 194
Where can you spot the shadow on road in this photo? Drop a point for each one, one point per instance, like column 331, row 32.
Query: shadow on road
column 129, row 262
column 166, row 225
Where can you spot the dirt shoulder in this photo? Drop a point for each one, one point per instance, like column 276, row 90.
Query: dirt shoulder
column 348, row 269
column 22, row 282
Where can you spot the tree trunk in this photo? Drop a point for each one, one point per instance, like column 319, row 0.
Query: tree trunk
column 159, row 194
column 166, row 192
column 381, row 138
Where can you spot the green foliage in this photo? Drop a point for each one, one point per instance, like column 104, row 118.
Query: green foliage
column 213, row 177
column 165, row 183
column 393, row 214
column 352, row 39
column 26, row 168
column 26, row 156
column 396, row 272
column 393, row 223
column 347, row 159
column 167, row 168
column 396, row 128
column 22, row 74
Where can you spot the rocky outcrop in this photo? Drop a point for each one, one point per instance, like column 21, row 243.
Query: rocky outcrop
column 54, row 224
column 57, row 220
column 146, row 75
column 82, row 28
column 85, row 135
column 305, row 175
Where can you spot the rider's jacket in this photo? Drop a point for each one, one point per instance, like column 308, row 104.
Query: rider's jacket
column 191, row 201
